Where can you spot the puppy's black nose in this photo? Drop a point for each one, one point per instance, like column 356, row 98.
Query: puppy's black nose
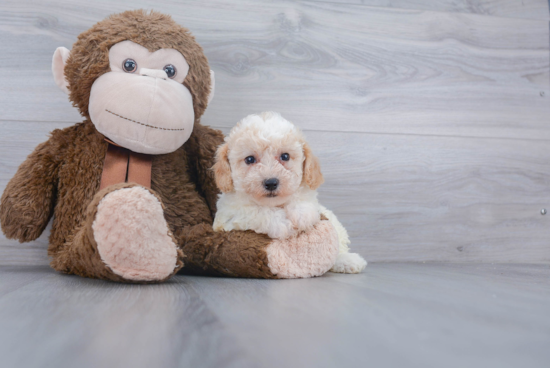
column 271, row 184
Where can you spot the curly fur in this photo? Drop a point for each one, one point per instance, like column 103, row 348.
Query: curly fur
column 289, row 210
column 247, row 205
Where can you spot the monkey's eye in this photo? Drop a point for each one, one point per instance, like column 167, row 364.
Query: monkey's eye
column 129, row 65
column 285, row 157
column 170, row 70
column 250, row 160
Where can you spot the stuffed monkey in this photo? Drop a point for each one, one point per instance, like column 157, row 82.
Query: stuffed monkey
column 131, row 189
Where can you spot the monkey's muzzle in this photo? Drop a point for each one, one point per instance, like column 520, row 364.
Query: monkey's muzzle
column 142, row 113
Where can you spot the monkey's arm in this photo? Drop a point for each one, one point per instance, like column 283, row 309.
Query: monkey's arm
column 27, row 203
column 248, row 254
column 201, row 150
column 233, row 253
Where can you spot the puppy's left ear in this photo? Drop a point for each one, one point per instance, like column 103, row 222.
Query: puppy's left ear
column 222, row 169
column 312, row 170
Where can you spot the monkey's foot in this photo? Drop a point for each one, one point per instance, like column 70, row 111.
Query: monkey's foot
column 309, row 254
column 349, row 263
column 132, row 236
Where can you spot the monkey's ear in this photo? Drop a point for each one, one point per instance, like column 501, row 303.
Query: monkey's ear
column 212, row 86
column 312, row 175
column 222, row 169
column 59, row 60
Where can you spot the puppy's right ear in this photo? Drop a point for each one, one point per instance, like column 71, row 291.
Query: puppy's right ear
column 222, row 169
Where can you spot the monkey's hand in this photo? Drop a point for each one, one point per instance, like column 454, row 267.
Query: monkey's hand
column 27, row 202
column 309, row 254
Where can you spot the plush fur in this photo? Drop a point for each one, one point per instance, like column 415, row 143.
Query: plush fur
column 292, row 208
column 61, row 178
column 89, row 56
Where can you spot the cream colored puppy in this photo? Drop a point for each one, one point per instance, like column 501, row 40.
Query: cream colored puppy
column 268, row 177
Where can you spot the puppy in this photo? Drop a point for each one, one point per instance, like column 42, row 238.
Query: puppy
column 268, row 177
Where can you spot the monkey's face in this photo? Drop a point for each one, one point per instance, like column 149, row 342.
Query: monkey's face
column 140, row 78
column 141, row 103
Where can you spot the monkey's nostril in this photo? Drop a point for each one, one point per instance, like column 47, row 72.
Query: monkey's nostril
column 271, row 184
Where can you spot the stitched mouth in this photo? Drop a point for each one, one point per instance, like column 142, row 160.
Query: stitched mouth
column 146, row 125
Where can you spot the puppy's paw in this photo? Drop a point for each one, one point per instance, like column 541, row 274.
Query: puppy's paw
column 303, row 215
column 349, row 263
column 280, row 229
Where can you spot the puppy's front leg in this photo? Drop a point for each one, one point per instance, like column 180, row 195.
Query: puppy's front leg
column 279, row 226
column 303, row 215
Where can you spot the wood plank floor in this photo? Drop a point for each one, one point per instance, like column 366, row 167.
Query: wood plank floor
column 392, row 315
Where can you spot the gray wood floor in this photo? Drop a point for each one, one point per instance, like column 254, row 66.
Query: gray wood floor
column 393, row 315
column 431, row 118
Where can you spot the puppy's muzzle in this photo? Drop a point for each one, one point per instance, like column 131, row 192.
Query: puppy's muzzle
column 271, row 184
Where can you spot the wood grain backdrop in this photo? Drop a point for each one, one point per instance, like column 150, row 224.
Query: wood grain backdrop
column 431, row 119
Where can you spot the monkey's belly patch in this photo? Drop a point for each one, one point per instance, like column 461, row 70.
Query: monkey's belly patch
column 146, row 125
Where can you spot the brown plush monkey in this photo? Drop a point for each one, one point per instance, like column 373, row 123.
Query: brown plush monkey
column 130, row 188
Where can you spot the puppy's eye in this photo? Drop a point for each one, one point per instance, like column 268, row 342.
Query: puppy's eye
column 129, row 65
column 285, row 157
column 170, row 70
column 250, row 160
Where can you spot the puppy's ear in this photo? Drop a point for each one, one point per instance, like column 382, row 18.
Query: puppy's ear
column 222, row 170
column 312, row 170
